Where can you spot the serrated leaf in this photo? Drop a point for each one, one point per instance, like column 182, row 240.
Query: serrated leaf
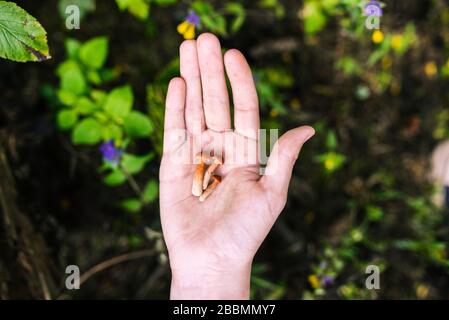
column 94, row 52
column 22, row 38
column 119, row 102
column 138, row 124
column 88, row 131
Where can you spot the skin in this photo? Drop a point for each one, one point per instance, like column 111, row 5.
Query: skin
column 211, row 244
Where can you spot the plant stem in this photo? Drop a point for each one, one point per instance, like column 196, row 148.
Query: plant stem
column 133, row 184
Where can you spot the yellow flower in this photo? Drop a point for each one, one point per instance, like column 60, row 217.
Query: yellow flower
column 396, row 42
column 329, row 164
column 378, row 36
column 187, row 27
column 187, row 30
column 314, row 281
column 430, row 69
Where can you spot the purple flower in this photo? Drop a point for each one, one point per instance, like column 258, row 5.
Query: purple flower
column 110, row 152
column 193, row 18
column 327, row 281
column 373, row 9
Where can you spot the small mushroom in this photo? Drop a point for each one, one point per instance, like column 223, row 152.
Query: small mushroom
column 215, row 162
column 197, row 185
column 215, row 182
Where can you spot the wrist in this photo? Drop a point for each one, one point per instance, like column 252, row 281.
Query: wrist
column 212, row 284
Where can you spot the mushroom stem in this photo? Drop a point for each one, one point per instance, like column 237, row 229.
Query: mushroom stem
column 215, row 182
column 210, row 170
column 197, row 185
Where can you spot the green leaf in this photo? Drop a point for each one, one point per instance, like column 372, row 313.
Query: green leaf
column 99, row 96
column 331, row 140
column 215, row 22
column 66, row 97
column 94, row 77
column 88, row 131
column 122, row 4
column 112, row 132
column 138, row 8
column 22, row 38
column 210, row 18
column 164, row 2
column 238, row 11
column 132, row 205
column 66, row 119
column 119, row 102
column 151, row 191
column 314, row 18
column 94, row 52
column 134, row 164
column 72, row 48
column 85, row 106
column 66, row 66
column 374, row 213
column 72, row 80
column 114, row 178
column 201, row 7
column 138, row 124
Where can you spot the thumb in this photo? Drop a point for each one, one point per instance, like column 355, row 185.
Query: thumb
column 280, row 164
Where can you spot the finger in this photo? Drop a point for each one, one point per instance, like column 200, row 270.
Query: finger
column 280, row 165
column 190, row 72
column 215, row 94
column 174, row 112
column 244, row 95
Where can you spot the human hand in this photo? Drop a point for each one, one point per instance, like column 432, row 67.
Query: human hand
column 211, row 244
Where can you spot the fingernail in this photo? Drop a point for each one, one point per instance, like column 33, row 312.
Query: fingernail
column 309, row 135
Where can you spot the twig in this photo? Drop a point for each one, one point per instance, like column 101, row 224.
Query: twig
column 110, row 263
column 114, row 261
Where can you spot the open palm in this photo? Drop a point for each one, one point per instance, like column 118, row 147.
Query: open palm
column 223, row 232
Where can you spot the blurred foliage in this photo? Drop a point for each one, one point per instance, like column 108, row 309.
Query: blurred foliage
column 94, row 115
column 360, row 194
